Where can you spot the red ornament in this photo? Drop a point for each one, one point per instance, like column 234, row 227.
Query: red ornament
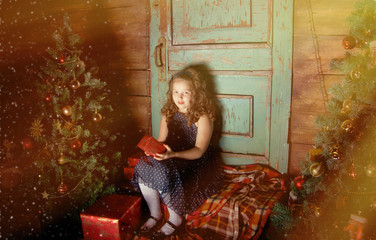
column 63, row 188
column 349, row 42
column 76, row 144
column 62, row 58
column 27, row 143
column 48, row 97
column 298, row 182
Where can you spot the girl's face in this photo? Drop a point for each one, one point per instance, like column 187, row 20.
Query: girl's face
column 182, row 94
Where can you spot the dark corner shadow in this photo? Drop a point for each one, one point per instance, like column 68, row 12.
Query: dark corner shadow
column 209, row 78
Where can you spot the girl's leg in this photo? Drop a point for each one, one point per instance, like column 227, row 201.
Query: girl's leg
column 175, row 219
column 151, row 197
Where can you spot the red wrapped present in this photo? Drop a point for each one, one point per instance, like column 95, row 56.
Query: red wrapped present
column 128, row 172
column 112, row 217
column 133, row 159
column 151, row 146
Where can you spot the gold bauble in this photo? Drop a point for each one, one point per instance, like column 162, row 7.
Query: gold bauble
column 334, row 152
column 97, row 117
column 318, row 211
column 316, row 169
column 74, row 84
column 347, row 125
column 355, row 74
column 346, row 106
column 80, row 64
column 61, row 160
column 371, row 170
column 67, row 110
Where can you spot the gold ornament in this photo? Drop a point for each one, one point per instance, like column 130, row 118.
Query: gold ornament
column 74, row 84
column 318, row 211
column 371, row 170
column 58, row 125
column 315, row 155
column 61, row 160
column 334, row 152
column 45, row 194
column 346, row 106
column 355, row 74
column 67, row 110
column 80, row 64
column 316, row 169
column 70, row 127
column 347, row 125
column 36, row 129
column 97, row 117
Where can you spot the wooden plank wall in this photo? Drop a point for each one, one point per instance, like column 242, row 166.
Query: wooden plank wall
column 319, row 27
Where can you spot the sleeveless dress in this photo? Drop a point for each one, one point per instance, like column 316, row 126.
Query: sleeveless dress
column 183, row 184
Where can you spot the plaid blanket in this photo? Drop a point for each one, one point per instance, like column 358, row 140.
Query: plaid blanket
column 242, row 208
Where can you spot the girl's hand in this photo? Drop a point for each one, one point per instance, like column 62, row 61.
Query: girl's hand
column 166, row 155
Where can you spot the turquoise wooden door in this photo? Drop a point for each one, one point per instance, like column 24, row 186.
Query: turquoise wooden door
column 247, row 45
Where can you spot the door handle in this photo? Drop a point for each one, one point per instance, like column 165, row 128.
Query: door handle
column 160, row 58
column 158, row 55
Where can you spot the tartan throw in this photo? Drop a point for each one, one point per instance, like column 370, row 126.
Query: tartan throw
column 242, row 208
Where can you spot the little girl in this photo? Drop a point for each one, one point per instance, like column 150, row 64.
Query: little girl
column 187, row 173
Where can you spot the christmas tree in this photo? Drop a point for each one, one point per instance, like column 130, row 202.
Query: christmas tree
column 69, row 143
column 334, row 197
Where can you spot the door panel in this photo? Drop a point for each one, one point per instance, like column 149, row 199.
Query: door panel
column 246, row 109
column 207, row 21
column 242, row 43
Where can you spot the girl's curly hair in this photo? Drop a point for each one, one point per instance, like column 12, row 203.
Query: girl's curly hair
column 201, row 102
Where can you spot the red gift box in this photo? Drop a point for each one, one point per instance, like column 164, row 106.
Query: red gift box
column 112, row 217
column 133, row 159
column 151, row 146
column 128, row 172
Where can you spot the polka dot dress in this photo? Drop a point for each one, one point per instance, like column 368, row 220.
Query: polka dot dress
column 183, row 184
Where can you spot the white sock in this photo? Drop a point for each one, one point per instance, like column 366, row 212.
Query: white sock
column 151, row 197
column 175, row 218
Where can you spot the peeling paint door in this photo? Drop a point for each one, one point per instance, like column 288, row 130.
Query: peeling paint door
column 247, row 45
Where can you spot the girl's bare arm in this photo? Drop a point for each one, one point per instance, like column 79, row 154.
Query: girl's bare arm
column 204, row 134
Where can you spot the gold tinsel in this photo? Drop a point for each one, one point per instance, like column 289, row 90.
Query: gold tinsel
column 36, row 129
column 70, row 127
column 58, row 125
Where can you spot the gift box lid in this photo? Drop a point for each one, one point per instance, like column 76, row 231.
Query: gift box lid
column 151, row 146
column 113, row 206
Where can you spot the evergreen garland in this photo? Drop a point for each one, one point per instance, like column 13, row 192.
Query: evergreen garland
column 334, row 197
